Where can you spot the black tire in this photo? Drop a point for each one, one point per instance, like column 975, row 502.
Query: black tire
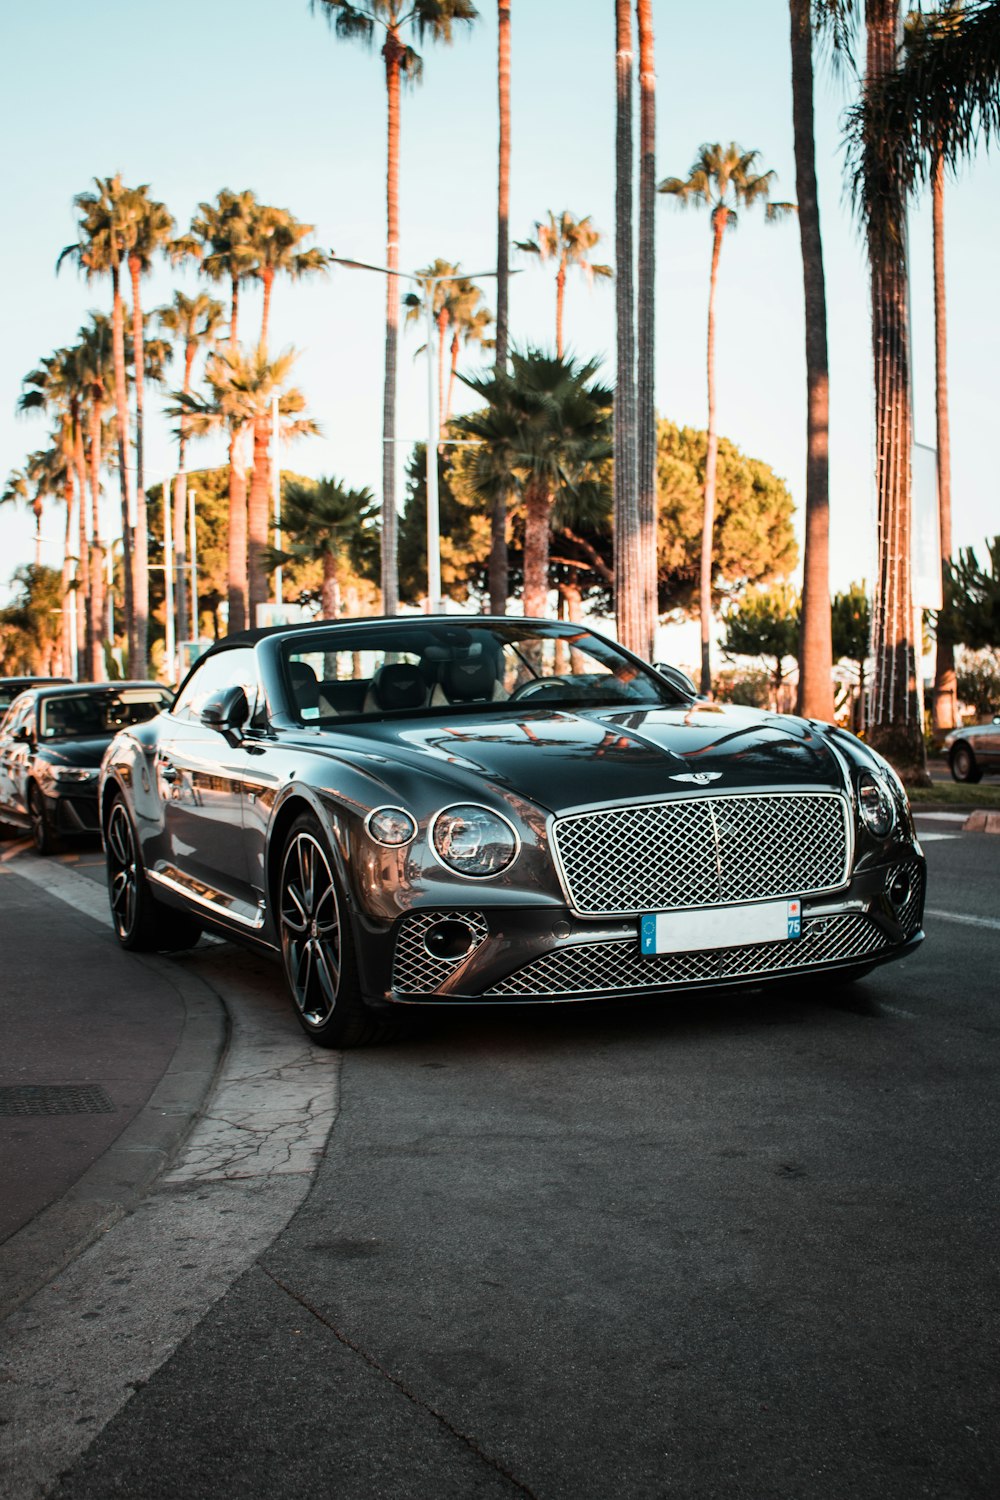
column 963, row 764
column 43, row 835
column 142, row 924
column 317, row 943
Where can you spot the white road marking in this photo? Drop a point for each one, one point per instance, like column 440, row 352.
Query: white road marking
column 943, row 817
column 930, row 838
column 75, row 1352
column 953, row 916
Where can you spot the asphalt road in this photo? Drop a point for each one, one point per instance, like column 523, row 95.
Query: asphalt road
column 724, row 1248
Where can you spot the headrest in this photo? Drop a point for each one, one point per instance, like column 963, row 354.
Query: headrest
column 399, row 685
column 464, row 680
column 304, row 684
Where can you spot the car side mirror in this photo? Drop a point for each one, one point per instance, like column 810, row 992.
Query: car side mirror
column 226, row 711
column 23, row 736
column 676, row 678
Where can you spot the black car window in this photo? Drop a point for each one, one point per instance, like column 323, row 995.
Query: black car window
column 213, row 674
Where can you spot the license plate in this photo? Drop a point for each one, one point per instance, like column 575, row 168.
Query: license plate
column 720, row 927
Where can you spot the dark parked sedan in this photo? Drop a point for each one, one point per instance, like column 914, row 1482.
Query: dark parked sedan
column 455, row 811
column 52, row 740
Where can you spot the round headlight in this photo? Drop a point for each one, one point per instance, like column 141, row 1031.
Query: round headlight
column 875, row 805
column 391, row 826
column 473, row 841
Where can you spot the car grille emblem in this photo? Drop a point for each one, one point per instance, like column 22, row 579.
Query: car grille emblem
column 700, row 778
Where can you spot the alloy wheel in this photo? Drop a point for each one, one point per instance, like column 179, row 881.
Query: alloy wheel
column 310, row 929
column 123, row 870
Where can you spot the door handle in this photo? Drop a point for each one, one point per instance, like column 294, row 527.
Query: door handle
column 170, row 773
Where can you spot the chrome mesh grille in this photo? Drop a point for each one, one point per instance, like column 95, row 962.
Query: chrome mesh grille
column 709, row 851
column 595, row 968
column 414, row 970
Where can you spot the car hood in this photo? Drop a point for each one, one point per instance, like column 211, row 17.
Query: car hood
column 564, row 760
column 88, row 753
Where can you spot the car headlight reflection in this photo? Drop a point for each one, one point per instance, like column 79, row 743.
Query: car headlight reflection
column 473, row 841
column 77, row 774
column 392, row 826
column 875, row 805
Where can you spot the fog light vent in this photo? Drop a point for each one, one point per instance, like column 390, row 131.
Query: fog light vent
column 899, row 888
column 450, row 940
column 430, row 943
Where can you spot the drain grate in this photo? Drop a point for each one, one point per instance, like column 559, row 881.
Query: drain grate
column 55, row 1099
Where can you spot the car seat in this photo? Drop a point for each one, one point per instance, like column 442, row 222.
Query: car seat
column 396, row 685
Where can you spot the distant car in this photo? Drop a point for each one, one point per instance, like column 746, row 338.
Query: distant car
column 973, row 750
column 52, row 740
column 10, row 687
column 443, row 811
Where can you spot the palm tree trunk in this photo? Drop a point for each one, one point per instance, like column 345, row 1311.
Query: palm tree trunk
column 442, row 323
column 815, row 697
column 257, row 514
column 330, row 591
column 451, row 378
column 138, row 666
column 711, row 464
column 894, row 727
column 91, row 620
column 180, row 502
column 392, row 52
column 237, row 537
column 65, row 582
column 646, row 487
column 268, row 280
column 498, row 566
column 234, row 311
column 560, row 301
column 945, row 683
column 536, row 550
column 96, row 665
column 628, row 568
column 121, row 422
column 37, row 510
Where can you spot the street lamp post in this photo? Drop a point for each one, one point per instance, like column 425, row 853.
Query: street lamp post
column 431, row 283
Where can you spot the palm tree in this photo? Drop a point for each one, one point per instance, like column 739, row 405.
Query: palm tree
column 94, row 364
column 936, row 101
column 815, row 697
column 194, row 322
column 469, row 325
column 436, row 281
column 275, row 237
column 220, row 239
column 545, row 429
column 498, row 517
column 625, row 525
column 99, row 251
column 568, row 241
column 149, row 229
column 243, row 388
column 55, row 388
column 321, row 519
column 725, row 180
column 455, row 300
column 360, row 22
column 646, row 486
column 19, row 490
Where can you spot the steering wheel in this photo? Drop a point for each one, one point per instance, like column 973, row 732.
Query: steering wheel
column 536, row 687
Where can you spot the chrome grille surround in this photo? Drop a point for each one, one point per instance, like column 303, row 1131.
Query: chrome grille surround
column 597, row 968
column 414, row 970
column 703, row 851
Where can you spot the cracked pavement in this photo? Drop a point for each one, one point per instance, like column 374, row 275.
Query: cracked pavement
column 738, row 1247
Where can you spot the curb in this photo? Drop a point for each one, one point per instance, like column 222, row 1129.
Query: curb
column 113, row 1185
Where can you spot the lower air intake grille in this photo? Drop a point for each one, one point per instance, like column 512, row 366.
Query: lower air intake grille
column 595, row 968
column 414, row 970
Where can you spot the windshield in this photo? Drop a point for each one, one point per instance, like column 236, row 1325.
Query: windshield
column 412, row 667
column 77, row 716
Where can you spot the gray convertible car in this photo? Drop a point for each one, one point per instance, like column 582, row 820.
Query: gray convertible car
column 453, row 811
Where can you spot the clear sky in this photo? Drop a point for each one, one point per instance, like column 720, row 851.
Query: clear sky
column 201, row 94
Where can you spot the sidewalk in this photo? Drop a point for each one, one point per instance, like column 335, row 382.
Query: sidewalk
column 100, row 1078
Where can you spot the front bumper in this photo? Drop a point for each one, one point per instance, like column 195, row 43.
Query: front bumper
column 532, row 954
